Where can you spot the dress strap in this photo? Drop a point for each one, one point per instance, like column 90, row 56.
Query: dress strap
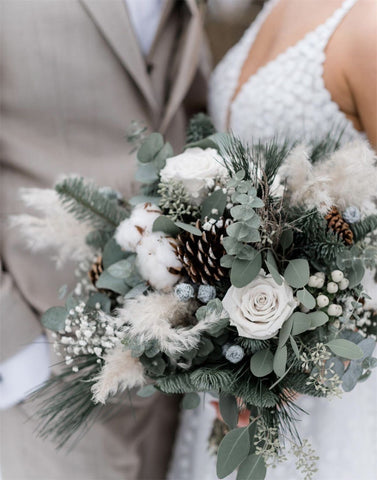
column 326, row 30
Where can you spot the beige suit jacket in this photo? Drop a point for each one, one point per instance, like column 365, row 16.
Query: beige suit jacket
column 72, row 79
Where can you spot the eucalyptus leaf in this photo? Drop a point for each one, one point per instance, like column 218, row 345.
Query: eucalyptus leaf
column 233, row 450
column 301, row 323
column 190, row 401
column 280, row 361
column 146, row 173
column 356, row 273
column 252, row 468
column 109, row 282
column 242, row 212
column 261, row 363
column 102, row 299
column 166, row 152
column 150, row 148
column 317, row 319
column 306, row 298
column 54, row 318
column 216, row 201
column 351, row 376
column 244, row 271
column 286, row 239
column 285, row 331
column 122, row 269
column 226, row 261
column 272, row 268
column 189, row 228
column 166, row 225
column 229, row 409
column 112, row 253
column 146, row 391
column 247, row 252
column 136, row 291
column 345, row 349
column 294, row 347
column 297, row 273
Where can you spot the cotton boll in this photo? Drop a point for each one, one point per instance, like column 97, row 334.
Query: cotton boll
column 157, row 262
column 131, row 230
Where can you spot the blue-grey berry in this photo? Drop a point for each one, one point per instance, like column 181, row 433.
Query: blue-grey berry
column 184, row 291
column 352, row 214
column 235, row 354
column 225, row 348
column 206, row 293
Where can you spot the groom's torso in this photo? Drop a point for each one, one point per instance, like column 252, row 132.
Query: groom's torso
column 73, row 77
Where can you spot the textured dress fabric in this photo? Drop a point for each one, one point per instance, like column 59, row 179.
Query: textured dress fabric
column 288, row 97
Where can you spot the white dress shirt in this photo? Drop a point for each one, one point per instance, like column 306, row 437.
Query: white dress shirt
column 145, row 16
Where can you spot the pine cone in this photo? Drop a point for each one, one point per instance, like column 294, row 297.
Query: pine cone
column 338, row 225
column 96, row 270
column 201, row 255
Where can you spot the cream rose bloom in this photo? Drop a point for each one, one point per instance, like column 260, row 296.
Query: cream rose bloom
column 260, row 309
column 196, row 169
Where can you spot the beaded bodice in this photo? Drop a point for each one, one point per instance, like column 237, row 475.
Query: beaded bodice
column 285, row 97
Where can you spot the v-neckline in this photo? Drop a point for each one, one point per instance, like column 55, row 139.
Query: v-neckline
column 239, row 88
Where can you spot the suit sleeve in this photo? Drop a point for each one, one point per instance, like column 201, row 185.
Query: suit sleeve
column 19, row 324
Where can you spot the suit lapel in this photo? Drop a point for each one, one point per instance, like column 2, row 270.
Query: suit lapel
column 188, row 59
column 112, row 19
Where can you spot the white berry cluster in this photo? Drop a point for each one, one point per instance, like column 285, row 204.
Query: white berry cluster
column 86, row 334
column 329, row 286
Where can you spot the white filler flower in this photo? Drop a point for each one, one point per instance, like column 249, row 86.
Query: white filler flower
column 260, row 309
column 196, row 169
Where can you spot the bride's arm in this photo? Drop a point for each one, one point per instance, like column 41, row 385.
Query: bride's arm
column 361, row 64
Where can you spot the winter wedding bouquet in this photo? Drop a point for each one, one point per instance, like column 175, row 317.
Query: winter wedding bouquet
column 237, row 271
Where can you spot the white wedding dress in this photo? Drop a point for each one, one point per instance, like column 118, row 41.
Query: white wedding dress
column 288, row 97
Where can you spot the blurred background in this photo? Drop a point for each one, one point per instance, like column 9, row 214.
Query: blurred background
column 226, row 22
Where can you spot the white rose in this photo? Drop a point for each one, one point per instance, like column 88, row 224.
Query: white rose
column 260, row 309
column 196, row 169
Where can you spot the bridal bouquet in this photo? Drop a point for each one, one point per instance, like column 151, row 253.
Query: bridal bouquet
column 237, row 271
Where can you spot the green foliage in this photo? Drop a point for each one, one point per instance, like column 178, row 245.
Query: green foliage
column 327, row 145
column 98, row 238
column 254, row 392
column 312, row 238
column 261, row 363
column 200, row 126
column 245, row 262
column 297, row 273
column 252, row 345
column 207, row 379
column 64, row 403
column 54, row 318
column 345, row 349
column 179, row 383
column 152, row 156
column 228, row 409
column 361, row 229
column 233, row 450
column 83, row 199
column 190, row 401
column 252, row 468
column 175, row 201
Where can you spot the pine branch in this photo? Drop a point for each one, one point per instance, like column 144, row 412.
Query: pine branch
column 361, row 229
column 200, row 127
column 329, row 144
column 64, row 403
column 206, row 379
column 86, row 203
column 173, row 384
